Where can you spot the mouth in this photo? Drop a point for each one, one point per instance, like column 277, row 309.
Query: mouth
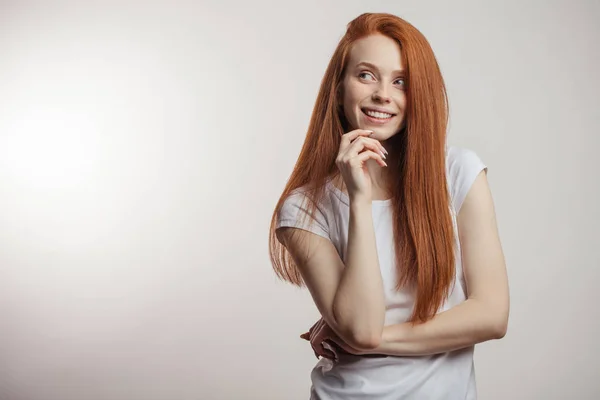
column 377, row 117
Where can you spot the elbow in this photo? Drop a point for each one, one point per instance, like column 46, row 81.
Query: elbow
column 499, row 326
column 367, row 342
column 496, row 320
column 357, row 334
column 365, row 337
column 499, row 329
column 361, row 339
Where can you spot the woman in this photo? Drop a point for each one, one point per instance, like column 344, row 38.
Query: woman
column 392, row 231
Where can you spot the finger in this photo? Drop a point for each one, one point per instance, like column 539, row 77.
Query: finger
column 319, row 339
column 347, row 138
column 362, row 143
column 368, row 154
column 318, row 324
column 318, row 333
column 312, row 328
column 376, row 142
column 372, row 144
column 309, row 334
column 316, row 338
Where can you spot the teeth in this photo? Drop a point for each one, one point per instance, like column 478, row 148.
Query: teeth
column 376, row 114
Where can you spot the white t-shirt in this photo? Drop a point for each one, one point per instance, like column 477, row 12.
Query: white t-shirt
column 445, row 376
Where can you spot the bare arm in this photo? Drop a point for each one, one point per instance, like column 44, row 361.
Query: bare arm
column 484, row 315
column 349, row 297
column 359, row 302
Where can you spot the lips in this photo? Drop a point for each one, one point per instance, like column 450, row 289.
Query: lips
column 365, row 109
column 376, row 119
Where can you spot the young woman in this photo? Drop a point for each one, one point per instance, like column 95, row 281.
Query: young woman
column 392, row 231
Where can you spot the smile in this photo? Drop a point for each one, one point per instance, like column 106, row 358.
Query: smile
column 377, row 117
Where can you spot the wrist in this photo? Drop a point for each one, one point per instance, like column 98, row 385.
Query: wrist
column 396, row 333
column 360, row 201
column 385, row 335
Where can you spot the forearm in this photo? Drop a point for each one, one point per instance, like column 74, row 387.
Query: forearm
column 464, row 325
column 359, row 304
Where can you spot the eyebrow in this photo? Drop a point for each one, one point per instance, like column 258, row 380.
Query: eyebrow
column 368, row 64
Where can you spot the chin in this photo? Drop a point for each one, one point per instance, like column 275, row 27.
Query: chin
column 382, row 134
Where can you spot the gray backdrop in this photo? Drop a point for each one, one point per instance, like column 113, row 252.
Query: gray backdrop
column 143, row 146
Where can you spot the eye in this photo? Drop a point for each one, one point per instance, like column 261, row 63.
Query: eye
column 403, row 81
column 364, row 73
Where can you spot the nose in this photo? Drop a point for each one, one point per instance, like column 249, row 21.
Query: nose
column 381, row 94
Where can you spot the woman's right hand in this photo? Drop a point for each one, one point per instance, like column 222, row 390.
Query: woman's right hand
column 326, row 343
column 356, row 148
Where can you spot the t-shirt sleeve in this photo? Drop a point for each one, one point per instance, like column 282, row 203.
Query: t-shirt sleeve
column 465, row 165
column 294, row 213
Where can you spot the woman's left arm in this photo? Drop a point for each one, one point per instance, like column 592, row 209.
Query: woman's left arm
column 484, row 315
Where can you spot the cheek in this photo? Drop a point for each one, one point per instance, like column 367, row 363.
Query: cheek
column 401, row 101
column 351, row 102
column 353, row 105
column 356, row 93
column 353, row 110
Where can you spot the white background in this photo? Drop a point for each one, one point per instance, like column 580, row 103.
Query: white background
column 143, row 146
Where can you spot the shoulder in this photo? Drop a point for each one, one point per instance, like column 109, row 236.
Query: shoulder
column 463, row 165
column 299, row 211
column 460, row 160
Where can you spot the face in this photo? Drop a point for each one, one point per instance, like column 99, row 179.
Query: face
column 374, row 87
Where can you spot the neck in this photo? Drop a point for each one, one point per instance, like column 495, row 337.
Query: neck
column 378, row 174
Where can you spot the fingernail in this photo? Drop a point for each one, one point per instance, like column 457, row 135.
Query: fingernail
column 382, row 155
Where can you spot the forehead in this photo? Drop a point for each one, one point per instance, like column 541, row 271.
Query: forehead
column 377, row 49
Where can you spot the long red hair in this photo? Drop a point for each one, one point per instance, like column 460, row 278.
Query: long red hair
column 422, row 220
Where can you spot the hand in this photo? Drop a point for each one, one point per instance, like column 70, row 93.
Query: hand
column 321, row 334
column 355, row 149
column 317, row 342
